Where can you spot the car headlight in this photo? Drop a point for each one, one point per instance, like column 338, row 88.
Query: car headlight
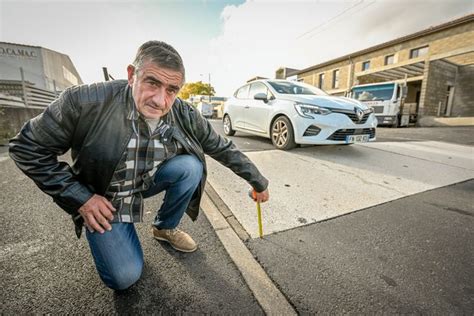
column 306, row 110
column 369, row 110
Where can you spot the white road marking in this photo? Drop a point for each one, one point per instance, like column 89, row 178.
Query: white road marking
column 308, row 186
column 27, row 248
column 449, row 154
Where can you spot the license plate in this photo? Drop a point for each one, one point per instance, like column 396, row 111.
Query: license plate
column 357, row 139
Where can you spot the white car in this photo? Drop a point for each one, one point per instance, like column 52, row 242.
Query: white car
column 291, row 113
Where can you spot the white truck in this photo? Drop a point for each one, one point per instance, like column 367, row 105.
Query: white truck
column 206, row 109
column 388, row 101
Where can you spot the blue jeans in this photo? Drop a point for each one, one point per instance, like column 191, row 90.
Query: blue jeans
column 117, row 254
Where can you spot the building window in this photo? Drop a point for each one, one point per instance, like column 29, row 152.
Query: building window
column 335, row 79
column 321, row 81
column 418, row 52
column 389, row 59
column 365, row 65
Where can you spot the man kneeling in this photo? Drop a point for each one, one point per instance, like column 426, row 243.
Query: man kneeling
column 129, row 140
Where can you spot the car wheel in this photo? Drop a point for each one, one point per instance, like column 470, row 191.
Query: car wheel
column 228, row 126
column 282, row 134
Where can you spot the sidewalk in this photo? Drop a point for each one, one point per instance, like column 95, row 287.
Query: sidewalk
column 431, row 121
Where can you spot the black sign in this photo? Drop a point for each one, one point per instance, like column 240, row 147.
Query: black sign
column 17, row 52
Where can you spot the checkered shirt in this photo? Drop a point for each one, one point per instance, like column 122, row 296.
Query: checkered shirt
column 140, row 161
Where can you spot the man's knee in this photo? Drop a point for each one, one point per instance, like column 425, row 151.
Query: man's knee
column 192, row 168
column 123, row 279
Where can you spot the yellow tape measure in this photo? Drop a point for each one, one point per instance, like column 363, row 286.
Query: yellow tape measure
column 253, row 196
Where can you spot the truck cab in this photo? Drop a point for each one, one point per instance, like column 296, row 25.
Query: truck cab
column 206, row 109
column 387, row 100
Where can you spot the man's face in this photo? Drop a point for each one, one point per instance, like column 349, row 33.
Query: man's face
column 154, row 89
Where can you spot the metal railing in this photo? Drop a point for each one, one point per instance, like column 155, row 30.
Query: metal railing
column 24, row 94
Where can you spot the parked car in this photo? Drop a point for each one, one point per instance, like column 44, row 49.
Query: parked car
column 291, row 113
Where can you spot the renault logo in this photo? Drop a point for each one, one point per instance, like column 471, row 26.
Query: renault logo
column 359, row 113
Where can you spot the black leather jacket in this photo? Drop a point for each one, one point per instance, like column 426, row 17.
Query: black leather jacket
column 91, row 121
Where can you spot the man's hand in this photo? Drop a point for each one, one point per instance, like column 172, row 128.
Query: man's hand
column 261, row 196
column 97, row 212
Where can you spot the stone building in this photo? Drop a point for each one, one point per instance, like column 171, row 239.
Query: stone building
column 286, row 73
column 436, row 64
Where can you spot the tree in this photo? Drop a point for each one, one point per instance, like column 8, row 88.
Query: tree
column 196, row 88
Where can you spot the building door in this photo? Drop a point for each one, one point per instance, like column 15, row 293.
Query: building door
column 412, row 99
column 449, row 101
column 417, row 100
column 414, row 117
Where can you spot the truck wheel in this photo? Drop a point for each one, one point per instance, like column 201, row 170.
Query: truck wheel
column 282, row 134
column 228, row 126
column 396, row 123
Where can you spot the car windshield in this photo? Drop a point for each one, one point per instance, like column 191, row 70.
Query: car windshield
column 373, row 93
column 286, row 87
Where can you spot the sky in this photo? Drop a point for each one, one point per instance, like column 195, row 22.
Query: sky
column 227, row 42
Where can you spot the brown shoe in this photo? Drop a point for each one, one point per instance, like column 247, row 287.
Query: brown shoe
column 178, row 239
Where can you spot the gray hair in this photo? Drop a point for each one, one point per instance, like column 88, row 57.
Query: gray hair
column 161, row 54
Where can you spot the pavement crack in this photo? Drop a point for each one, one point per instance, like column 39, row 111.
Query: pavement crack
column 388, row 280
column 452, row 209
column 305, row 160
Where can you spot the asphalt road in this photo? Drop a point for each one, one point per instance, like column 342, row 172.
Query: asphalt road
column 46, row 269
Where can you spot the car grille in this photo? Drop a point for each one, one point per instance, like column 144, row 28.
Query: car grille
column 378, row 109
column 341, row 134
column 353, row 116
column 312, row 131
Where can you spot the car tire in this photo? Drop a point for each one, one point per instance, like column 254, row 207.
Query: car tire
column 228, row 126
column 282, row 134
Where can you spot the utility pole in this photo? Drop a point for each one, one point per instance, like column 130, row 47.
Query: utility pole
column 210, row 88
column 106, row 73
column 209, row 79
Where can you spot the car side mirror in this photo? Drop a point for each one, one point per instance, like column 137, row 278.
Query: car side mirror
column 261, row 96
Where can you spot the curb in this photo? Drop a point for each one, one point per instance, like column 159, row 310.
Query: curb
column 272, row 301
column 226, row 213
